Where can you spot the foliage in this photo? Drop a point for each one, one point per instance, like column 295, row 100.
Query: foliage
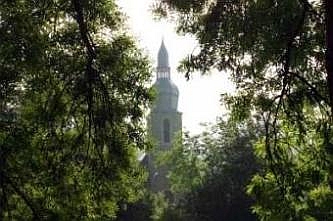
column 275, row 54
column 299, row 188
column 153, row 206
column 185, row 163
column 209, row 173
column 73, row 93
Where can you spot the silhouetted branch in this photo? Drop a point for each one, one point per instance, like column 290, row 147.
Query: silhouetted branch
column 90, row 70
column 25, row 198
column 274, row 156
column 97, row 92
column 318, row 96
column 84, row 30
column 306, row 4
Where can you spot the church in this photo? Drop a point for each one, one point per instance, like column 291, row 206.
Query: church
column 164, row 121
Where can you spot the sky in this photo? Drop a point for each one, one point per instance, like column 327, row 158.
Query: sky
column 199, row 98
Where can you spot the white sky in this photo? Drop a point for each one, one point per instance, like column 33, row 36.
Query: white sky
column 199, row 97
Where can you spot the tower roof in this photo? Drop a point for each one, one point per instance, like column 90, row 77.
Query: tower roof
column 167, row 98
column 163, row 57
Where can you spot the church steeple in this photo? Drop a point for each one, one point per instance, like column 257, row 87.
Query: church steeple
column 163, row 57
column 164, row 120
column 167, row 99
column 163, row 68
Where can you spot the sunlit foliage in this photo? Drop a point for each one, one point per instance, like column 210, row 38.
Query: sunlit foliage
column 73, row 93
column 279, row 55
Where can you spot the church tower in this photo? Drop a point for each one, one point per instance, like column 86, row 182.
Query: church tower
column 165, row 121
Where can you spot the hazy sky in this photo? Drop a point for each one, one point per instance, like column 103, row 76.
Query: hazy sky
column 199, row 97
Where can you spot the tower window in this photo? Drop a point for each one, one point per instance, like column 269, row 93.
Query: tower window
column 166, row 131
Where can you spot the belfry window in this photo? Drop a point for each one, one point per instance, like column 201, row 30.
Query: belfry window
column 166, row 131
column 163, row 73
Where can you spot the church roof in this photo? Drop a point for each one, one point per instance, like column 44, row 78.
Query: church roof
column 167, row 97
column 163, row 57
column 166, row 86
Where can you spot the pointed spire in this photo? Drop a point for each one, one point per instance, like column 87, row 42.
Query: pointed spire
column 163, row 57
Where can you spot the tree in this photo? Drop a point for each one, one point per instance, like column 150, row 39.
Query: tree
column 299, row 188
column 209, row 173
column 73, row 94
column 281, row 62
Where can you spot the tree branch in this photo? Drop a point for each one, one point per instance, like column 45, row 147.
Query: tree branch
column 84, row 30
column 313, row 89
column 26, row 200
column 91, row 56
column 273, row 154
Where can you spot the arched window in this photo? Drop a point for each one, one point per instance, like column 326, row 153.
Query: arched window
column 166, row 131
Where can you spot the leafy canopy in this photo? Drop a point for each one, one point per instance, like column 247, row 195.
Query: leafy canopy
column 209, row 173
column 73, row 94
column 275, row 54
